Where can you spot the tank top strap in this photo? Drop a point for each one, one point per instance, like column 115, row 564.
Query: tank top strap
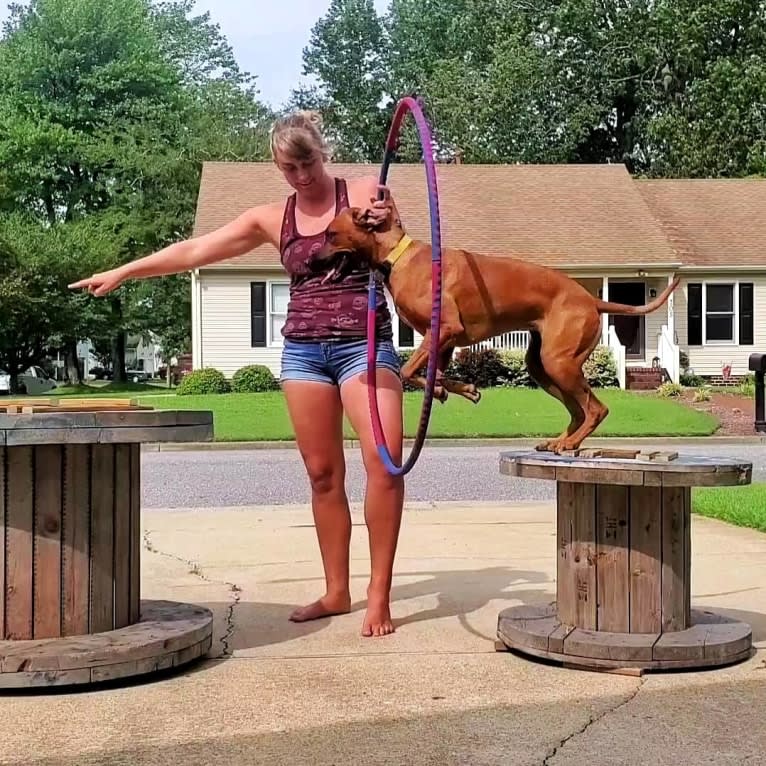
column 289, row 227
column 341, row 195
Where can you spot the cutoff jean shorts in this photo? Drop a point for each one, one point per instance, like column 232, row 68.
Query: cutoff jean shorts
column 333, row 361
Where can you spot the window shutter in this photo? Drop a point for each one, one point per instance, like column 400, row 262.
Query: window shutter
column 694, row 314
column 257, row 314
column 746, row 314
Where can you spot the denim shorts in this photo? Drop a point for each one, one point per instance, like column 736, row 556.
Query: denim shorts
column 334, row 361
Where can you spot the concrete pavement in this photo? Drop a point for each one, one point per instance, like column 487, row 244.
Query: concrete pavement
column 435, row 692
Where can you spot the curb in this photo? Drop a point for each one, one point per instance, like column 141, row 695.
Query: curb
column 456, row 443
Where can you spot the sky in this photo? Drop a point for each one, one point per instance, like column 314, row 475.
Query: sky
column 267, row 36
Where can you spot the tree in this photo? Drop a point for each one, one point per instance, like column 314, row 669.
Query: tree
column 107, row 109
column 346, row 55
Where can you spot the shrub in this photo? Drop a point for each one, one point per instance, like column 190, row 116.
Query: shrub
column 691, row 381
column 746, row 385
column 600, row 369
column 702, row 394
column 484, row 367
column 515, row 371
column 669, row 390
column 205, row 381
column 253, row 379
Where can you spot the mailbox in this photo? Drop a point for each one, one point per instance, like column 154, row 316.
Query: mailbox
column 758, row 366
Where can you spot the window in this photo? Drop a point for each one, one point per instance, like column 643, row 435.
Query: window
column 720, row 313
column 268, row 311
column 280, row 296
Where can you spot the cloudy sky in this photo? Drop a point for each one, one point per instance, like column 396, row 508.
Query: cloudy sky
column 268, row 37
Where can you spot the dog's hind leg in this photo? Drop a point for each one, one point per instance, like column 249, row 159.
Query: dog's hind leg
column 563, row 357
column 541, row 377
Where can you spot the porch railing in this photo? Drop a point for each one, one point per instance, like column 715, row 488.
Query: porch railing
column 669, row 354
column 510, row 341
column 618, row 351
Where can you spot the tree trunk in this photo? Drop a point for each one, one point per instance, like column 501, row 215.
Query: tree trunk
column 118, row 358
column 73, row 372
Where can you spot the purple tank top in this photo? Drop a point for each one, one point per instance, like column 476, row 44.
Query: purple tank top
column 331, row 311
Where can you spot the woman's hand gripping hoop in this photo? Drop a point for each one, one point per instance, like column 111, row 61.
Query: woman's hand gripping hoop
column 409, row 104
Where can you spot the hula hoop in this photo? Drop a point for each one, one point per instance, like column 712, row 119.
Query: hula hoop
column 408, row 104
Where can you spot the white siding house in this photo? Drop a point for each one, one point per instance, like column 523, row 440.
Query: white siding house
column 622, row 239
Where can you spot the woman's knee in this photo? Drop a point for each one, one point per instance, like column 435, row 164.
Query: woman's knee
column 324, row 475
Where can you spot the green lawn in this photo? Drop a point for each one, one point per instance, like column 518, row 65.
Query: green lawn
column 501, row 413
column 743, row 506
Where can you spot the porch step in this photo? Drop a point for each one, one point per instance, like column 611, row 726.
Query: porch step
column 643, row 378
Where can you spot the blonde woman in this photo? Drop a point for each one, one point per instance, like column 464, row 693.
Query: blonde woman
column 324, row 360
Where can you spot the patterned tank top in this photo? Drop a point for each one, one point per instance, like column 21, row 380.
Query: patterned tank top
column 332, row 311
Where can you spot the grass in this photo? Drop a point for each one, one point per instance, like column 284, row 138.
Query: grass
column 501, row 413
column 109, row 389
column 742, row 506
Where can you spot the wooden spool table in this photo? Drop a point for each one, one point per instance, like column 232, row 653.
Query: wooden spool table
column 623, row 580
column 70, row 492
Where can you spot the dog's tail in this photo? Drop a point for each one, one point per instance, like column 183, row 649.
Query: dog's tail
column 604, row 307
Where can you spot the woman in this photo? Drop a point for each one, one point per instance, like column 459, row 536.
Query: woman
column 324, row 361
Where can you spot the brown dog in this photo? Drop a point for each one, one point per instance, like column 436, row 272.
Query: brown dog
column 484, row 296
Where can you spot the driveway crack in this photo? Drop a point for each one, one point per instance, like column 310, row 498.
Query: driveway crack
column 548, row 761
column 195, row 570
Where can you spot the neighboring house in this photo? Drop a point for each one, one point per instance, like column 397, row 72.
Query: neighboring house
column 142, row 355
column 621, row 238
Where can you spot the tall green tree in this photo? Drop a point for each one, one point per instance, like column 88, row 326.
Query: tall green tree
column 668, row 87
column 108, row 108
column 346, row 55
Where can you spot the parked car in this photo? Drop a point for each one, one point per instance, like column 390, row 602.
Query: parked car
column 35, row 381
column 5, row 382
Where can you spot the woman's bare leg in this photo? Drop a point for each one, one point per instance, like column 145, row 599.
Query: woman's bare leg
column 317, row 416
column 384, row 495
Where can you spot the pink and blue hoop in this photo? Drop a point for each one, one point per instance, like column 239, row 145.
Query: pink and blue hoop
column 412, row 105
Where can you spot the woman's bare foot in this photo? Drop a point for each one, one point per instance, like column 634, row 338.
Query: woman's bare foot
column 327, row 606
column 377, row 620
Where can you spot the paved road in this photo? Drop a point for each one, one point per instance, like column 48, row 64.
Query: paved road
column 274, row 477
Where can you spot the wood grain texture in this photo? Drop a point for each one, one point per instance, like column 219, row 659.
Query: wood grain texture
column 169, row 634
column 613, row 559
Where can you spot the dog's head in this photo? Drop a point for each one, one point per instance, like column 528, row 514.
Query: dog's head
column 352, row 241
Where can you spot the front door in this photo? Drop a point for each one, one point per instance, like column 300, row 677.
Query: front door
column 630, row 329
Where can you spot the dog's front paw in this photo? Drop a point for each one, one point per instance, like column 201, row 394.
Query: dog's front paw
column 441, row 394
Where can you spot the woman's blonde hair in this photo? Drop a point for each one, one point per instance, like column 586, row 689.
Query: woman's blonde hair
column 299, row 136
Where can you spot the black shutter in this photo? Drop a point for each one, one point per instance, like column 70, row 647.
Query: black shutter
column 406, row 335
column 694, row 314
column 746, row 314
column 257, row 314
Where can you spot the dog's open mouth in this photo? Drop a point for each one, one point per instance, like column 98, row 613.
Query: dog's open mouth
column 337, row 269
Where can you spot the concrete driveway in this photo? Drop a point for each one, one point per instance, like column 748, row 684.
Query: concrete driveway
column 436, row 692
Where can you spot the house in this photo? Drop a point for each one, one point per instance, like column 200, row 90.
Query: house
column 623, row 239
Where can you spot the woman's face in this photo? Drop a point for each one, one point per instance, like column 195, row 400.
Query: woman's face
column 304, row 175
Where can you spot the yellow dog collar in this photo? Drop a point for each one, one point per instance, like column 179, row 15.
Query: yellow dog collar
column 398, row 251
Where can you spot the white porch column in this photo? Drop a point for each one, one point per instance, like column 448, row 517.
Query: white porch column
column 605, row 317
column 196, row 323
column 671, row 313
